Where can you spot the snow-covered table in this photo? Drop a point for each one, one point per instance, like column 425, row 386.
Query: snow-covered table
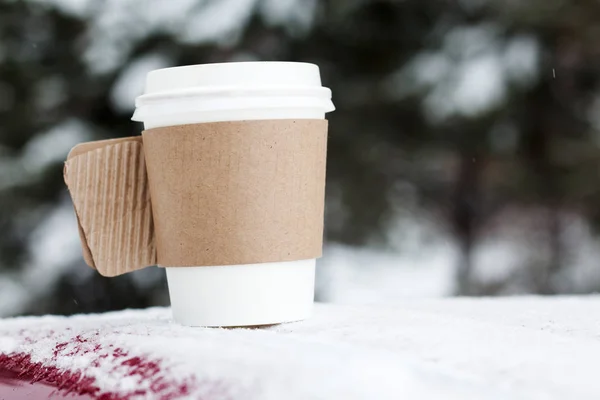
column 530, row 348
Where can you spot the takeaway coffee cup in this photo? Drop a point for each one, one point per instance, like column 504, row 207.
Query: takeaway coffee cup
column 248, row 293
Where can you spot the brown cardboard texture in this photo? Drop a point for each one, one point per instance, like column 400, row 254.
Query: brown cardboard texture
column 108, row 184
column 237, row 192
column 222, row 193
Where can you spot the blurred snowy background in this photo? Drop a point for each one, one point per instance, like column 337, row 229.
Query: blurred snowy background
column 464, row 156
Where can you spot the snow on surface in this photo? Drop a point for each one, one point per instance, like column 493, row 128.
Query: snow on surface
column 512, row 348
column 8, row 345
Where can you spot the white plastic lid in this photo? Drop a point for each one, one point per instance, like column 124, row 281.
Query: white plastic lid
column 233, row 86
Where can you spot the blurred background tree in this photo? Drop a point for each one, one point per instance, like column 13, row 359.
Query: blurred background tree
column 465, row 136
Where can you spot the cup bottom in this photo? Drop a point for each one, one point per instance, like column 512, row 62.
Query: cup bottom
column 242, row 295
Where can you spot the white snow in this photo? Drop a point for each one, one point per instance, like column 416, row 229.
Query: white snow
column 55, row 241
column 430, row 67
column 298, row 14
column 53, row 145
column 46, row 148
column 54, row 248
column 13, row 296
column 593, row 115
column 476, row 86
column 116, row 26
column 373, row 276
column 50, row 93
column 8, row 345
column 75, row 8
column 496, row 258
column 470, row 74
column 480, row 86
column 466, row 41
column 521, row 60
column 218, row 21
column 512, row 348
column 132, row 80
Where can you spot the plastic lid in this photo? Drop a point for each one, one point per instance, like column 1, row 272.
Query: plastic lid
column 238, row 74
column 242, row 85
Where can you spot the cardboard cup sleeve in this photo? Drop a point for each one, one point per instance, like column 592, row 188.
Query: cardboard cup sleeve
column 223, row 193
column 108, row 184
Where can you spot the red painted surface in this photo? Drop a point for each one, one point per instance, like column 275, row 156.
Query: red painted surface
column 35, row 381
column 24, row 379
column 15, row 387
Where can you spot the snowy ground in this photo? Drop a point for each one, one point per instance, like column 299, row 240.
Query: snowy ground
column 529, row 348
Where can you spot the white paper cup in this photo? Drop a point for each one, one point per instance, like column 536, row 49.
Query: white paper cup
column 249, row 294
